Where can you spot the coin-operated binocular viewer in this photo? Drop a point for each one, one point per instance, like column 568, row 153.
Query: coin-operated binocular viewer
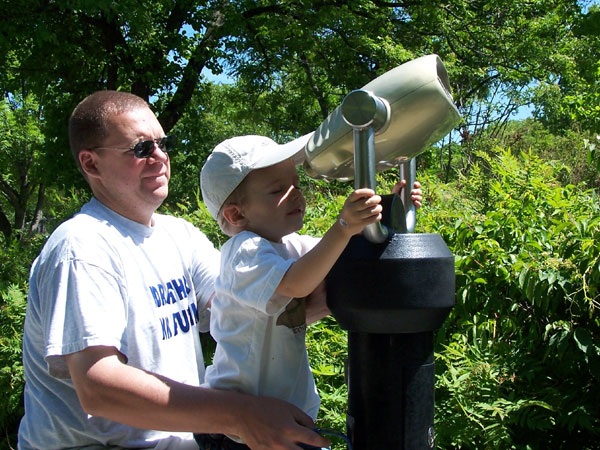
column 391, row 289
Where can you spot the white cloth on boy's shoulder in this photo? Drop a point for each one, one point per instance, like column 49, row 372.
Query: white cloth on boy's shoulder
column 104, row 280
column 260, row 335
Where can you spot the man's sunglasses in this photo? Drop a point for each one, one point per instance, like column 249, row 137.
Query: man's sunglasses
column 145, row 148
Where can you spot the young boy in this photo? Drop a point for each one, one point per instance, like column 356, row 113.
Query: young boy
column 258, row 316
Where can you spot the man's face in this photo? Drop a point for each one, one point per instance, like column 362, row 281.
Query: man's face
column 131, row 186
column 272, row 203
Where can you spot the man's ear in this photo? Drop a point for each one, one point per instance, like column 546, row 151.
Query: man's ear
column 87, row 160
column 234, row 215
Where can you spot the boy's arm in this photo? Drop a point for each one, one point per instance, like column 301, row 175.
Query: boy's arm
column 360, row 209
column 316, row 302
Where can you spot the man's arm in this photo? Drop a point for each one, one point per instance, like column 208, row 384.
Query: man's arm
column 109, row 388
column 316, row 304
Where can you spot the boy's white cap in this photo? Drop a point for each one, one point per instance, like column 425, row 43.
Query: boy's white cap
column 232, row 160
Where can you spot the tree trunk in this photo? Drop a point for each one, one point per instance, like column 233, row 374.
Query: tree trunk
column 38, row 224
column 5, row 227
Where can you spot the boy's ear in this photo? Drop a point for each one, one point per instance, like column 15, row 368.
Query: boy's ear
column 234, row 215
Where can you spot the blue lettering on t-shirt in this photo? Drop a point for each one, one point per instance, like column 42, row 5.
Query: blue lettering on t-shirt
column 161, row 292
column 155, row 296
column 179, row 320
column 183, row 321
column 193, row 313
column 171, row 292
column 181, row 288
column 166, row 328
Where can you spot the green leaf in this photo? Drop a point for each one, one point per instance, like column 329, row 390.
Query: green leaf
column 583, row 338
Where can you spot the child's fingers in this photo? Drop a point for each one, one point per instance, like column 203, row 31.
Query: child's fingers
column 362, row 208
column 369, row 203
column 361, row 213
column 398, row 186
column 364, row 196
column 374, row 214
column 361, row 193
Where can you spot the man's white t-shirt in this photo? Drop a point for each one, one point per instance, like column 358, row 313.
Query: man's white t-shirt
column 260, row 335
column 104, row 280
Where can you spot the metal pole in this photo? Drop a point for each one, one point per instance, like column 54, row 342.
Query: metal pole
column 366, row 113
column 390, row 298
column 408, row 171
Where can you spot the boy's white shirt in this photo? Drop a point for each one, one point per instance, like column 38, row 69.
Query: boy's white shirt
column 261, row 335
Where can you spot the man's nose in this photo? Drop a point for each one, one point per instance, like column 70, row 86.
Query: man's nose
column 158, row 154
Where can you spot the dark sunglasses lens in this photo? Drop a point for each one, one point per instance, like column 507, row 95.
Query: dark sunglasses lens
column 146, row 148
column 143, row 149
column 167, row 143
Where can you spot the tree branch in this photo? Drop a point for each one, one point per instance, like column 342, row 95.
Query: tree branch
column 313, row 85
column 189, row 81
column 5, row 227
column 38, row 216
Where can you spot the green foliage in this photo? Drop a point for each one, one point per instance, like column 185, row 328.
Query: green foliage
column 12, row 316
column 521, row 360
column 327, row 350
column 593, row 155
column 570, row 95
column 16, row 257
column 198, row 215
column 527, row 269
column 214, row 114
column 21, row 144
column 569, row 150
column 324, row 201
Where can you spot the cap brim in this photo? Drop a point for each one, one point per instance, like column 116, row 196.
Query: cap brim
column 294, row 149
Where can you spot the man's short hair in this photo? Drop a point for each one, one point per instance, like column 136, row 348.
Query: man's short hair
column 88, row 122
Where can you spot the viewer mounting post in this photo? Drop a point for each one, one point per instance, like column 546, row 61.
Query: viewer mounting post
column 391, row 288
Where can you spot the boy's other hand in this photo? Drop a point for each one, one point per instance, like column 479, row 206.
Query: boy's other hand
column 416, row 194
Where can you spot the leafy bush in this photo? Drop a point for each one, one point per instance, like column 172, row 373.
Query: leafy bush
column 12, row 316
column 16, row 257
column 521, row 360
column 518, row 360
column 328, row 350
column 571, row 149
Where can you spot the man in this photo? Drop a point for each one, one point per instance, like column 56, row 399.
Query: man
column 111, row 350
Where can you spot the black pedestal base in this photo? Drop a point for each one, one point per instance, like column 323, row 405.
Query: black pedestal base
column 390, row 391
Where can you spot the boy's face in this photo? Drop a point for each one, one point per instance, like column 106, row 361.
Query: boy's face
column 273, row 204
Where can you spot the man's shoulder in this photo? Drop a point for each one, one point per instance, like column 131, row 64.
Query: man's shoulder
column 81, row 225
column 179, row 228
